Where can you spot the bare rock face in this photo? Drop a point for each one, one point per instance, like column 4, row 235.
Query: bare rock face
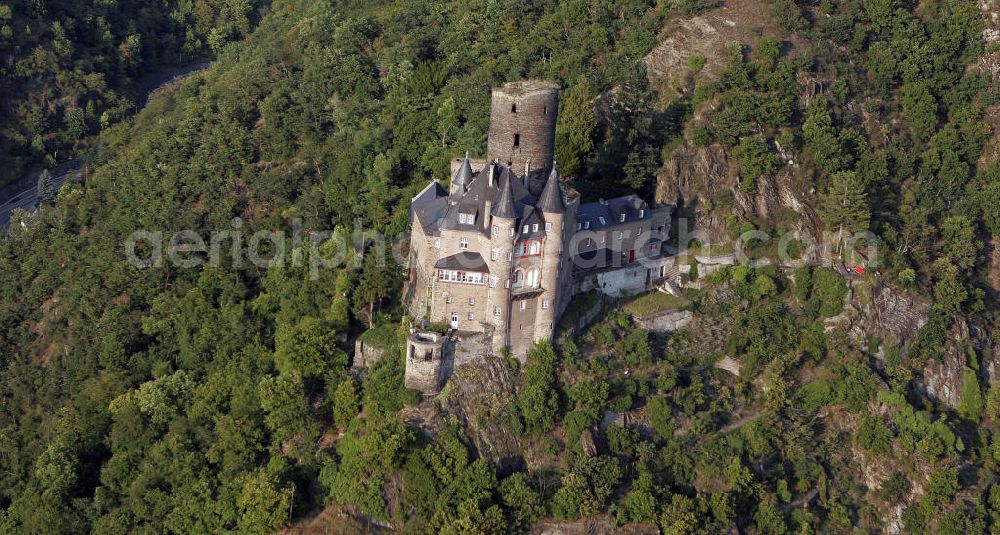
column 893, row 314
column 693, row 172
column 668, row 321
column 475, row 393
column 942, row 382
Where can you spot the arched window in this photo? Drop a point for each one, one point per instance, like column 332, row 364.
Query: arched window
column 534, row 248
column 532, row 278
column 518, row 278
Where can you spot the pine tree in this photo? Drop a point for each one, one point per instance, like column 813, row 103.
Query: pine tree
column 46, row 195
column 575, row 130
column 845, row 206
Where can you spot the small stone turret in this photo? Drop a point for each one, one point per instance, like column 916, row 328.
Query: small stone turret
column 424, row 357
column 553, row 209
column 523, row 124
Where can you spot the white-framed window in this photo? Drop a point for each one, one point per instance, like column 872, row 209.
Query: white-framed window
column 589, row 242
column 534, row 228
column 497, row 311
column 468, row 277
column 508, row 256
column 586, row 224
column 545, row 303
column 579, row 226
column 494, row 255
column 493, row 281
column 437, row 243
column 520, row 249
column 548, row 227
column 511, row 231
column 621, row 234
column 621, row 217
column 639, row 232
column 534, row 248
column 603, row 221
column 467, row 219
column 463, row 243
column 642, row 213
column 496, row 230
column 524, row 305
column 532, row 278
column 472, row 300
column 524, row 229
column 506, row 283
column 471, row 316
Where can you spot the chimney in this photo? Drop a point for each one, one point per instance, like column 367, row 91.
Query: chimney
column 492, row 172
column 487, row 215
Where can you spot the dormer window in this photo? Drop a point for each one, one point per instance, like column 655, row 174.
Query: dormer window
column 586, row 224
column 534, row 228
column 621, row 217
column 603, row 221
column 467, row 219
column 642, row 213
column 524, row 230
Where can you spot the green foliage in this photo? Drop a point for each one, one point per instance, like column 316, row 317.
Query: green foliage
column 756, row 160
column 346, row 402
column 539, row 398
column 576, row 129
column 829, row 289
column 971, row 399
column 263, row 504
column 586, row 487
column 309, row 347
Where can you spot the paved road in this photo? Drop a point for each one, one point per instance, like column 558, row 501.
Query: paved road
column 24, row 193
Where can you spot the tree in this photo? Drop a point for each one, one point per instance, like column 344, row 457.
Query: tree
column 958, row 241
column 46, row 193
column 539, row 400
column 339, row 314
column 378, row 279
column 263, row 504
column 921, row 108
column 346, row 402
column 309, row 346
column 575, row 129
column 756, row 160
column 845, row 206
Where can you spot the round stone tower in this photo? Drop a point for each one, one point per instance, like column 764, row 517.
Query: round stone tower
column 424, row 356
column 523, row 125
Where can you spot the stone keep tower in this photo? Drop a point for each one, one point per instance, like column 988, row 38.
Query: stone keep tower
column 424, row 356
column 523, row 126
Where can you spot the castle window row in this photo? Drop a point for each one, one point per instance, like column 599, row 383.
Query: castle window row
column 466, row 277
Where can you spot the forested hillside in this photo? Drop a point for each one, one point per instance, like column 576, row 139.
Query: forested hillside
column 210, row 399
column 68, row 69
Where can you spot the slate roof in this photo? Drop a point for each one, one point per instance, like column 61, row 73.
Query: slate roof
column 551, row 199
column 464, row 261
column 464, row 174
column 505, row 206
column 611, row 210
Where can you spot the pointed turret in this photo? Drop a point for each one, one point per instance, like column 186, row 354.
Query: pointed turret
column 460, row 182
column 551, row 199
column 505, row 203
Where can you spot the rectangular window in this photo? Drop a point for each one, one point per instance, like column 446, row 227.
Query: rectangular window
column 494, row 255
column 496, row 231
column 545, row 303
column 524, row 305
column 506, row 283
column 437, row 244
column 467, row 219
column 493, row 281
column 511, row 231
column 620, row 234
column 548, row 227
column 579, row 226
column 524, row 230
column 621, row 217
column 586, row 224
column 517, row 140
column 534, row 228
column 642, row 213
column 508, row 256
column 496, row 311
column 447, row 299
column 471, row 316
column 472, row 300
column 463, row 243
column 589, row 242
column 603, row 221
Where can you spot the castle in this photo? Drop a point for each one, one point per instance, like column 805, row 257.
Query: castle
column 501, row 253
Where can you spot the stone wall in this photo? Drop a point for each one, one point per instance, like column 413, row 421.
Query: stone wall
column 366, row 355
column 523, row 124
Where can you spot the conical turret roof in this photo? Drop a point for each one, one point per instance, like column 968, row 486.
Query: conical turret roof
column 551, row 199
column 505, row 203
column 464, row 174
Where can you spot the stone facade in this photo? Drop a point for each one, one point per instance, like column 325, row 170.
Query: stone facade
column 501, row 252
column 425, row 356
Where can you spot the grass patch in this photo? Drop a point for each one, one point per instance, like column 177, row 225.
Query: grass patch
column 653, row 302
column 579, row 306
column 382, row 336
